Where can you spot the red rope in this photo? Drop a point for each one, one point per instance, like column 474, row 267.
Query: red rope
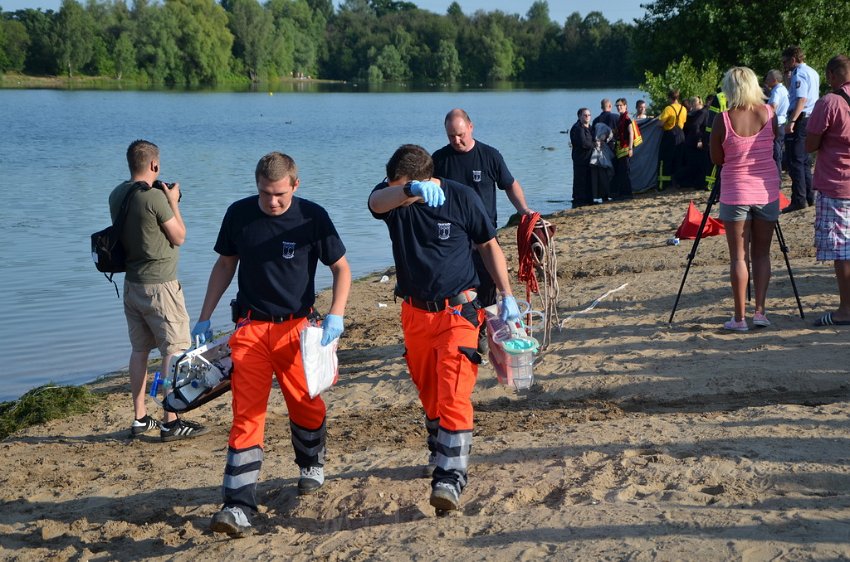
column 527, row 272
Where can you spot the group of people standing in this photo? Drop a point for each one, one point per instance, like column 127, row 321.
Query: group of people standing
column 602, row 152
column 743, row 154
column 440, row 211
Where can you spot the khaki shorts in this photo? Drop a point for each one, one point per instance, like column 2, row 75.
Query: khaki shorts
column 156, row 317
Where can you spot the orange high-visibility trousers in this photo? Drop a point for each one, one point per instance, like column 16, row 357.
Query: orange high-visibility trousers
column 259, row 349
column 443, row 361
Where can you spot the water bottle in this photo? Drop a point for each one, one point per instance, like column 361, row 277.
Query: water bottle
column 157, row 380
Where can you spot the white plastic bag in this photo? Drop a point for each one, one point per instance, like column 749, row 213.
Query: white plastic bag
column 321, row 367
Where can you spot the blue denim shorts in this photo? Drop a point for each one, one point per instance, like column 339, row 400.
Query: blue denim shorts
column 768, row 212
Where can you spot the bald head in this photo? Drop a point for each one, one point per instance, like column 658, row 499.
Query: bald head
column 459, row 130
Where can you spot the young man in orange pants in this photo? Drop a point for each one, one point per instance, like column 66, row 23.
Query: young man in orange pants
column 277, row 240
column 433, row 224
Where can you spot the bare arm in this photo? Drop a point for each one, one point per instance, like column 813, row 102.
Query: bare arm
column 341, row 286
column 795, row 114
column 174, row 228
column 718, row 133
column 220, row 278
column 497, row 267
column 391, row 197
column 517, row 198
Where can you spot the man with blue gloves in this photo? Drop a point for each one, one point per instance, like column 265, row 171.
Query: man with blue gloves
column 434, row 224
column 276, row 240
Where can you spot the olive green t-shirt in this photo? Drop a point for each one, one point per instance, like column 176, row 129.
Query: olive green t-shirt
column 151, row 258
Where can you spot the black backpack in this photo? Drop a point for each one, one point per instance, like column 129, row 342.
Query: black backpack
column 107, row 251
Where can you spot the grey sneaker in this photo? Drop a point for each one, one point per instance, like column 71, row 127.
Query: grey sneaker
column 444, row 497
column 233, row 521
column 311, row 480
column 181, row 429
column 143, row 425
column 428, row 469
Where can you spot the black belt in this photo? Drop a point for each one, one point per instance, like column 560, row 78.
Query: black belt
column 263, row 317
column 438, row 305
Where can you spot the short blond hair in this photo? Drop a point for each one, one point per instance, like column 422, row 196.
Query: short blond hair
column 742, row 88
column 275, row 166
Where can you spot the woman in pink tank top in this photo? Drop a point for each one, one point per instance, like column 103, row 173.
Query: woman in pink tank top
column 742, row 142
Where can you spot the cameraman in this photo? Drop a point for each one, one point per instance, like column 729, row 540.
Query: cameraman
column 153, row 298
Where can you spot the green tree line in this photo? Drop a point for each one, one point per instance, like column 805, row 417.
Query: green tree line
column 204, row 42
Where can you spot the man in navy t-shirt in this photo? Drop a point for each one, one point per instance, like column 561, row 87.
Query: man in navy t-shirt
column 481, row 167
column 434, row 224
column 276, row 240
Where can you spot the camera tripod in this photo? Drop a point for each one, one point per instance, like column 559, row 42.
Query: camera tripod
column 712, row 199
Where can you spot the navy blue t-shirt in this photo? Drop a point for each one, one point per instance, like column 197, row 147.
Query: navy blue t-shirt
column 482, row 168
column 278, row 255
column 432, row 246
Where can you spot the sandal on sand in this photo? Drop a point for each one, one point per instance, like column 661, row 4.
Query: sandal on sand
column 760, row 319
column 828, row 320
column 735, row 325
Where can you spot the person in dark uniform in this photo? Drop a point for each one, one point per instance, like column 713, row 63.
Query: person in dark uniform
column 581, row 141
column 276, row 240
column 803, row 92
column 433, row 224
column 481, row 167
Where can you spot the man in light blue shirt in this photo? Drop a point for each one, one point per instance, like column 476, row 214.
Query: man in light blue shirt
column 779, row 101
column 802, row 95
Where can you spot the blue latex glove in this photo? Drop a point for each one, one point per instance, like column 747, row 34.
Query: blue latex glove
column 508, row 309
column 331, row 328
column 202, row 332
column 429, row 191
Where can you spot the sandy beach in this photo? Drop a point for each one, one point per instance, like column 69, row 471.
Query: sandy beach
column 640, row 440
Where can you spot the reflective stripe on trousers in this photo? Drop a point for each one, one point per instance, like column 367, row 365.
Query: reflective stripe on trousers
column 453, row 448
column 309, row 445
column 240, row 477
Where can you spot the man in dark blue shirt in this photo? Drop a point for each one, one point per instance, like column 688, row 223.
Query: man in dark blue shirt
column 433, row 224
column 481, row 167
column 276, row 240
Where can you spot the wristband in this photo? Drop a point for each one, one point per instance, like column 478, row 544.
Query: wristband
column 406, row 189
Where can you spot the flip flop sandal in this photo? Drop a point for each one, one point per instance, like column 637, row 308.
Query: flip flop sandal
column 827, row 320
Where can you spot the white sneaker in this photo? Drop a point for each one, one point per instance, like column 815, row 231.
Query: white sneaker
column 444, row 497
column 233, row 521
column 311, row 480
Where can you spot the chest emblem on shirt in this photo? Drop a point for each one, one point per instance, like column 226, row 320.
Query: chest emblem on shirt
column 288, row 250
column 476, row 175
column 444, row 230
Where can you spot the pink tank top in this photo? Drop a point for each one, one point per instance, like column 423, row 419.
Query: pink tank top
column 749, row 175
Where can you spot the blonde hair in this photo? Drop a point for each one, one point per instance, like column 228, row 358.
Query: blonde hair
column 742, row 88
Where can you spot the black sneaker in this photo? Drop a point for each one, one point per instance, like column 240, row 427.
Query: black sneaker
column 143, row 425
column 181, row 429
column 233, row 521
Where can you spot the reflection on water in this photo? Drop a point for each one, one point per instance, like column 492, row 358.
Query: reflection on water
column 61, row 152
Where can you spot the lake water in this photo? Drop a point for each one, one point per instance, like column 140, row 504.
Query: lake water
column 61, row 153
